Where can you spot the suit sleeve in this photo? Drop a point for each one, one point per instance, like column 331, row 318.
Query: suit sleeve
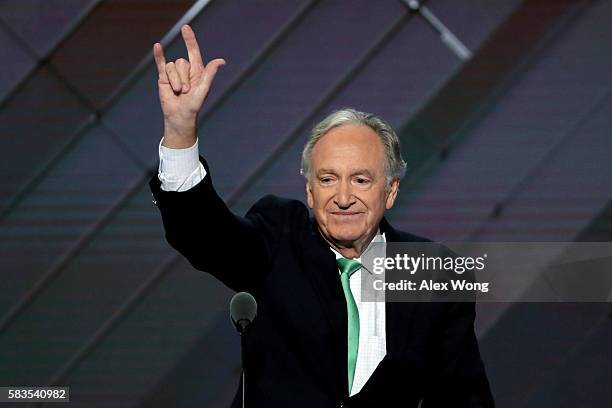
column 458, row 377
column 198, row 224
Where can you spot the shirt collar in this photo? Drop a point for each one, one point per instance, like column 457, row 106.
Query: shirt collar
column 377, row 238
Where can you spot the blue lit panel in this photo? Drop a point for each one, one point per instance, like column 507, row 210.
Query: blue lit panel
column 36, row 124
column 21, row 64
column 517, row 139
column 62, row 210
column 43, row 23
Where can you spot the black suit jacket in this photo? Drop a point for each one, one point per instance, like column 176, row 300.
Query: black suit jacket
column 296, row 350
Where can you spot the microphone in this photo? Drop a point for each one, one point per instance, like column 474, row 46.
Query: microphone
column 243, row 309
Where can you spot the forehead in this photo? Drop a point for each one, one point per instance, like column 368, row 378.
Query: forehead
column 347, row 145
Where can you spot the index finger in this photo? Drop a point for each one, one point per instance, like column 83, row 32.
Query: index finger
column 160, row 60
column 193, row 49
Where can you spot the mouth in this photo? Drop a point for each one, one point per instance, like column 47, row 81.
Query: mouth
column 346, row 214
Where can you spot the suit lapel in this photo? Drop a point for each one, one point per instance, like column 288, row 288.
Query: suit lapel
column 320, row 266
column 398, row 315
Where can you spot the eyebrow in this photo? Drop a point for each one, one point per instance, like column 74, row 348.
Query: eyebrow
column 325, row 171
column 355, row 172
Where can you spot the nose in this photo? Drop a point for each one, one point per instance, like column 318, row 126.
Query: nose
column 344, row 195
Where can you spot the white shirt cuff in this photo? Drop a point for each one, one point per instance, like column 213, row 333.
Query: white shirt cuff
column 179, row 169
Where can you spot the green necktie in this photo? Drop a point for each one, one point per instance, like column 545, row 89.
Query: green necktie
column 348, row 267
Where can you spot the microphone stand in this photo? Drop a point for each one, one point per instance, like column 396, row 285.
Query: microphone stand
column 242, row 365
column 242, row 326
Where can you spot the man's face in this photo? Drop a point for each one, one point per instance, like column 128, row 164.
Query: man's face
column 347, row 189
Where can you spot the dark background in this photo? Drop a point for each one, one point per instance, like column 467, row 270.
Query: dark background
column 512, row 144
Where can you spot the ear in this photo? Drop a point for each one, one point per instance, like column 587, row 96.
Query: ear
column 309, row 195
column 392, row 193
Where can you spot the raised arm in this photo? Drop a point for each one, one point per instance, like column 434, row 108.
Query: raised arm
column 197, row 222
column 183, row 86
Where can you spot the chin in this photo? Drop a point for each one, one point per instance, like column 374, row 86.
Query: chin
column 345, row 236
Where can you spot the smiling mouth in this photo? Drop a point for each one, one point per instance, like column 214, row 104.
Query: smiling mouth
column 345, row 213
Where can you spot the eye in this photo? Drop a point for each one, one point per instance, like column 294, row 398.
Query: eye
column 362, row 181
column 326, row 180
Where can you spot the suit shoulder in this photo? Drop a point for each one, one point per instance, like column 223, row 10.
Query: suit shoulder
column 407, row 237
column 274, row 202
column 275, row 207
column 432, row 247
column 402, row 236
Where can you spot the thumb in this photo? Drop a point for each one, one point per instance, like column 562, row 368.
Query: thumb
column 213, row 66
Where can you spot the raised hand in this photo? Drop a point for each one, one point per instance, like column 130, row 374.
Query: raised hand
column 183, row 86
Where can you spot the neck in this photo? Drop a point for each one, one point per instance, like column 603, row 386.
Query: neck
column 349, row 249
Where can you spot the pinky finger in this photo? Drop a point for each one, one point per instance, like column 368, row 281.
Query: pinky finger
column 160, row 60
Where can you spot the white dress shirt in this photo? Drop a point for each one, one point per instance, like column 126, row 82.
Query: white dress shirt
column 181, row 169
column 372, row 337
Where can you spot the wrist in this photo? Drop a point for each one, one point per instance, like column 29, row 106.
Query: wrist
column 179, row 135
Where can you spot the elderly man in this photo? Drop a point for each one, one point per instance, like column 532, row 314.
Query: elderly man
column 315, row 343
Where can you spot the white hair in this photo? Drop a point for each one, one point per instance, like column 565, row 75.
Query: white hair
column 395, row 166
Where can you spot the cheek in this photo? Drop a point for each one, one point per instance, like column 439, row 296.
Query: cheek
column 321, row 199
column 377, row 203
